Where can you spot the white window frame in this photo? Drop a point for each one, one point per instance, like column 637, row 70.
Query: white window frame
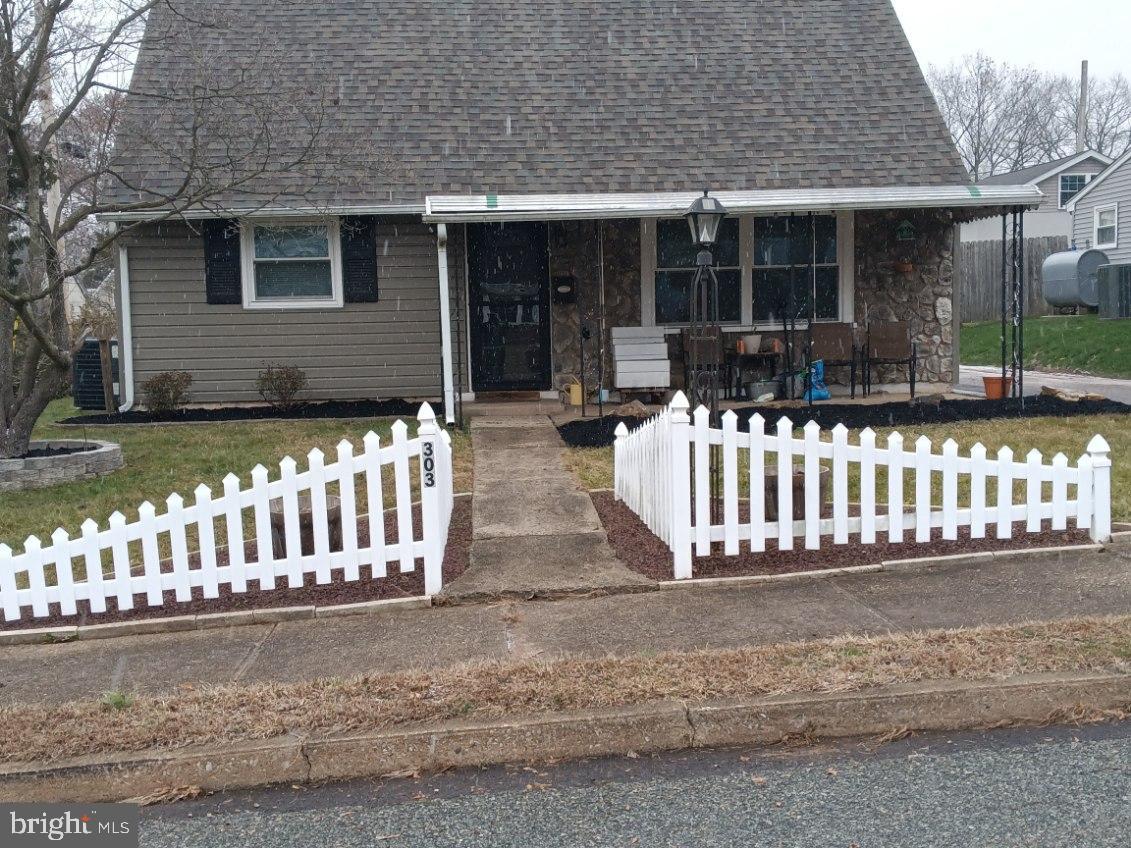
column 1063, row 204
column 247, row 263
column 846, row 258
column 1107, row 207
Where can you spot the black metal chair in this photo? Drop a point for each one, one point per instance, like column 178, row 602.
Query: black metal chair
column 835, row 345
column 890, row 343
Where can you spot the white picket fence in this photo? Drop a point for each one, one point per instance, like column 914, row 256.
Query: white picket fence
column 655, row 479
column 431, row 449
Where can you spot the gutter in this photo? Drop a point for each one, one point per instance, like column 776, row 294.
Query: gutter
column 264, row 212
column 126, row 333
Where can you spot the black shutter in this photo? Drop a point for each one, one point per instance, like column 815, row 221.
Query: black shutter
column 222, row 262
column 359, row 259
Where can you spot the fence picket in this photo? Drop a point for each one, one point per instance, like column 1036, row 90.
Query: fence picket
column 1084, row 492
column 1060, row 492
column 785, row 484
column 8, row 596
column 319, row 518
column 1004, row 493
column 812, row 487
column 64, row 571
column 33, row 562
column 150, row 553
column 123, row 587
column 680, row 438
column 1033, row 489
column 950, row 490
column 264, row 550
column 375, row 498
column 292, row 528
column 923, row 489
column 868, row 486
column 404, row 495
column 730, row 482
column 896, row 458
column 92, row 565
column 840, row 485
column 757, row 483
column 978, row 491
column 179, row 546
column 206, row 536
column 233, row 518
column 347, row 495
column 702, row 482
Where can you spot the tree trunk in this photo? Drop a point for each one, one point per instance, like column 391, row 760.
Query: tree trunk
column 15, row 439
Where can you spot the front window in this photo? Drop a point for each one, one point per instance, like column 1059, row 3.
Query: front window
column 795, row 264
column 295, row 264
column 675, row 271
column 1107, row 226
column 1070, row 186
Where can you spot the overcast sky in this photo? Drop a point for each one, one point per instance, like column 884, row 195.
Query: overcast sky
column 1053, row 36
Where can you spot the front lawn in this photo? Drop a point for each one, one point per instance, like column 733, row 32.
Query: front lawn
column 162, row 459
column 594, row 466
column 1079, row 344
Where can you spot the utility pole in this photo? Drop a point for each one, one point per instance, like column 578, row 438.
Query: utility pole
column 1082, row 110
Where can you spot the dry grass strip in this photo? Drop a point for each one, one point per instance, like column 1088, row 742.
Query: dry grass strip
column 494, row 690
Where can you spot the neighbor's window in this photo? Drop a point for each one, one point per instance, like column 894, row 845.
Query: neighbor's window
column 796, row 259
column 675, row 271
column 292, row 264
column 1107, row 225
column 1070, row 186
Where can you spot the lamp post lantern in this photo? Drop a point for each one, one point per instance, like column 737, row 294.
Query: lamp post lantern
column 705, row 348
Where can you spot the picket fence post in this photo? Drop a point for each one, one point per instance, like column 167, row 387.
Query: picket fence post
column 618, row 461
column 1100, row 452
column 428, row 434
column 680, row 430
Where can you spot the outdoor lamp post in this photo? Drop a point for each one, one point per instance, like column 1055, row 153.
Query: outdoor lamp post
column 704, row 218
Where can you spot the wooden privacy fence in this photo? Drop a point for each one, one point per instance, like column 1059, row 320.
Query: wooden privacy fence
column 979, row 273
column 27, row 581
column 663, row 471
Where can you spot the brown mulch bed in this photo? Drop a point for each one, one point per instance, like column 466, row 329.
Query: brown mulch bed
column 644, row 553
column 337, row 591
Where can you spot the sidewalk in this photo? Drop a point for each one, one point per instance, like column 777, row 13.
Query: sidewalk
column 970, row 383
column 1005, row 591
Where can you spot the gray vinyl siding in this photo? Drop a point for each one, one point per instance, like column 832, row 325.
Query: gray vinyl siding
column 1051, row 187
column 373, row 350
column 1116, row 188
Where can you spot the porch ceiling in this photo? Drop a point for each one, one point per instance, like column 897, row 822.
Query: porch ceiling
column 551, row 207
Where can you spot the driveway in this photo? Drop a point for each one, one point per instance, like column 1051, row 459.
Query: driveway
column 970, row 383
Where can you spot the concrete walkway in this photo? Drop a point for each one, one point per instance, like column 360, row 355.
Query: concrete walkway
column 535, row 534
column 970, row 383
column 1003, row 591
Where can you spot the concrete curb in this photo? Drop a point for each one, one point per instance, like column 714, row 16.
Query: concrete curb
column 665, row 726
column 208, row 621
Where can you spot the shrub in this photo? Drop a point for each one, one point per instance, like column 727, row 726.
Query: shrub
column 279, row 385
column 166, row 392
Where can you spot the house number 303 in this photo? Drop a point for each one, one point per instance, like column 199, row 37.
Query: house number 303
column 429, row 452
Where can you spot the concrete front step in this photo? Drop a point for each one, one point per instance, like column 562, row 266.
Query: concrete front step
column 543, row 567
column 532, row 508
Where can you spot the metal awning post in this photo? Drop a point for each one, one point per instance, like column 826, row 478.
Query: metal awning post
column 447, row 384
column 1004, row 290
column 1022, row 296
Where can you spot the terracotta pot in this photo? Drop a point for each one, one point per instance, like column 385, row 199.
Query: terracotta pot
column 997, row 387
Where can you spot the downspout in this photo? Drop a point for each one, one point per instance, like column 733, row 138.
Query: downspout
column 126, row 333
column 448, row 383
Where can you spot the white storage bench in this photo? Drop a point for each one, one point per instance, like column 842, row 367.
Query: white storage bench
column 640, row 359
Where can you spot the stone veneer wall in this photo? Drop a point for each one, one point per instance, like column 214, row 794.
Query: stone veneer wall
column 923, row 295
column 574, row 252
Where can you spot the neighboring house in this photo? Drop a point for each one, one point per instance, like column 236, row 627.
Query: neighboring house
column 1059, row 181
column 1101, row 213
column 534, row 142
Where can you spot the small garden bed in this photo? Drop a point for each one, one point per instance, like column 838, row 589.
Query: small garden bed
column 337, row 591
column 302, row 412
column 646, row 554
column 600, row 432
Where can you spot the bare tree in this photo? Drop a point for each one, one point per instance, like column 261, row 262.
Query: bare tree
column 62, row 69
column 1004, row 118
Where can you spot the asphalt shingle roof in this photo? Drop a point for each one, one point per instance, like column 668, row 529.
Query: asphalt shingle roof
column 1023, row 176
column 514, row 96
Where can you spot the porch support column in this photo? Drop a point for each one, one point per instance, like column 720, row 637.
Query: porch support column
column 448, row 383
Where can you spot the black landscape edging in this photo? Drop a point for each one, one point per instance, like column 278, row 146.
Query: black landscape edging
column 304, row 412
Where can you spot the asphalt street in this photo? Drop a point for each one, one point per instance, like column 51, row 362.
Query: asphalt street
column 1044, row 787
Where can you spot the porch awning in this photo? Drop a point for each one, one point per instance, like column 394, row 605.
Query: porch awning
column 552, row 207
